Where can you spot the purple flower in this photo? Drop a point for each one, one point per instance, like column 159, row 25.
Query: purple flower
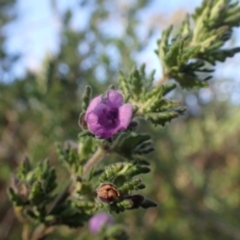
column 98, row 221
column 107, row 115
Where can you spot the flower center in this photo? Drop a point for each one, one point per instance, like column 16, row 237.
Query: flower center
column 109, row 117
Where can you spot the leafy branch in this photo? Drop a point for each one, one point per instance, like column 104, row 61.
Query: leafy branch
column 198, row 43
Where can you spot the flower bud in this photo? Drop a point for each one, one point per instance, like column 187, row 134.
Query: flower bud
column 107, row 192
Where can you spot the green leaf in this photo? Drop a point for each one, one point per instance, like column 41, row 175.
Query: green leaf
column 144, row 148
column 119, row 180
column 147, row 203
column 24, row 169
column 152, row 99
column 128, row 187
column 15, row 198
column 37, row 194
column 125, row 204
column 168, row 87
column 51, row 184
column 111, row 171
column 123, row 85
column 136, row 170
column 136, row 84
column 86, row 147
column 136, row 199
column 161, row 118
column 126, row 142
column 86, row 98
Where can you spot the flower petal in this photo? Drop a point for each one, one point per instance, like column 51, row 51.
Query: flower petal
column 125, row 115
column 114, row 98
column 99, row 220
column 93, row 104
column 97, row 129
column 93, row 125
column 110, row 132
column 106, row 115
column 98, row 110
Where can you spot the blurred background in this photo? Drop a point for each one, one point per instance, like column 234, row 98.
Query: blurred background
column 49, row 50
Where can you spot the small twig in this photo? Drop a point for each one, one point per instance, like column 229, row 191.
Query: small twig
column 162, row 80
column 26, row 231
column 39, row 232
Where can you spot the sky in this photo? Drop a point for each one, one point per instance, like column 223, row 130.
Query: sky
column 35, row 33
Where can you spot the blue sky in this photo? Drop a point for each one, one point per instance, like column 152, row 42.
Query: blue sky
column 35, row 33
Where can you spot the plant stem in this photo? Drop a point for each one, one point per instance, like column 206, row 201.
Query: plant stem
column 39, row 232
column 97, row 156
column 25, row 232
